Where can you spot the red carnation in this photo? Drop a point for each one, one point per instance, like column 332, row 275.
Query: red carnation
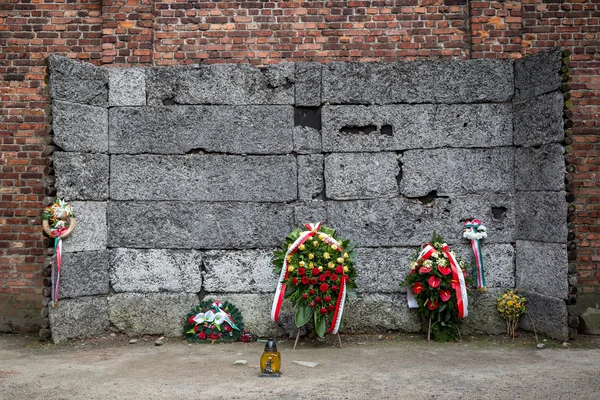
column 227, row 328
column 434, row 281
column 294, row 281
column 301, row 271
column 334, row 288
column 213, row 336
column 334, row 277
column 312, row 291
column 202, row 335
column 191, row 319
column 323, row 288
column 445, row 295
column 322, row 278
column 196, row 328
column 317, row 299
column 305, row 280
column 444, row 270
column 417, row 288
column 432, row 305
column 330, row 308
column 327, row 273
column 313, row 281
column 424, row 270
column 312, row 303
column 327, row 299
column 316, row 271
column 323, row 310
column 304, row 296
column 339, row 269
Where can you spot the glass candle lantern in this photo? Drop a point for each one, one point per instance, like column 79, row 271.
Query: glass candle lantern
column 270, row 361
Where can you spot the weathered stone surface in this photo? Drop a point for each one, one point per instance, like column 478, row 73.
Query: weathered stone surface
column 538, row 73
column 310, row 212
column 400, row 127
column 191, row 225
column 403, row 222
column 150, row 313
column 549, row 315
column 182, row 129
column 256, row 310
column 361, row 175
column 246, row 271
column 540, row 169
column 539, row 121
column 483, row 314
column 308, row 84
column 379, row 312
column 237, row 84
column 77, row 82
column 91, row 231
column 79, row 318
column 380, row 270
column 84, row 274
column 455, row 81
column 542, row 268
column 204, row 177
column 498, row 262
column 310, row 176
column 541, row 216
column 155, row 270
column 127, row 87
column 456, row 171
column 79, row 127
column 590, row 321
column 307, row 140
column 81, row 176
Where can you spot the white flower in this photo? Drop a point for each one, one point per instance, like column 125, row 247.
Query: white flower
column 427, row 263
column 220, row 317
column 199, row 318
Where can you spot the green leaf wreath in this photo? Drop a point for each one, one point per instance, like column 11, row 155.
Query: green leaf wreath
column 315, row 270
column 212, row 321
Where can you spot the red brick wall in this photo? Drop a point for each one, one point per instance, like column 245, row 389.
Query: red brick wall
column 167, row 32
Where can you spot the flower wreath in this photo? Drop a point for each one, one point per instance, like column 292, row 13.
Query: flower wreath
column 214, row 321
column 58, row 219
column 316, row 271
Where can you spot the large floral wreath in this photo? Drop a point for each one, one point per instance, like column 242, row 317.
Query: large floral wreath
column 316, row 270
column 212, row 321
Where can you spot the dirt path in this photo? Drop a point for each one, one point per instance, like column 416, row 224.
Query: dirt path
column 396, row 367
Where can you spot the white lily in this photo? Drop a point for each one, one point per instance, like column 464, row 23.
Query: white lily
column 209, row 316
column 220, row 317
column 199, row 318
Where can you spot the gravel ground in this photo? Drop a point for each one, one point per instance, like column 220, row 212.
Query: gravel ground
column 367, row 367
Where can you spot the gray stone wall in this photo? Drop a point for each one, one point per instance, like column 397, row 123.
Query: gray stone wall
column 185, row 179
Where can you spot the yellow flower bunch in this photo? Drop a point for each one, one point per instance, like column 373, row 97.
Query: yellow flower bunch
column 511, row 305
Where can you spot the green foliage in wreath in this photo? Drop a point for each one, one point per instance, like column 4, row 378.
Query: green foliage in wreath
column 315, row 271
column 212, row 321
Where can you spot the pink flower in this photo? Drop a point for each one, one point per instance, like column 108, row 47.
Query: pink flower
column 445, row 295
column 434, row 281
column 424, row 270
column 444, row 270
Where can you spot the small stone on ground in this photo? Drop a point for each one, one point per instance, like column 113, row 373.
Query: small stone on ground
column 240, row 362
column 310, row 364
column 133, row 341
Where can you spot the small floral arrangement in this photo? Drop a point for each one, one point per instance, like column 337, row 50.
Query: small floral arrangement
column 439, row 284
column 58, row 214
column 212, row 321
column 317, row 271
column 511, row 306
column 473, row 230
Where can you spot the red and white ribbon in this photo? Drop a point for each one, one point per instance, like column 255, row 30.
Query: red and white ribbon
column 462, row 301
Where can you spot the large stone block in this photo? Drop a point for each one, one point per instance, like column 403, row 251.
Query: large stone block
column 307, row 140
column 540, row 168
column 457, row 81
column 155, row 270
column 81, row 176
column 361, row 175
column 539, row 121
column 410, row 126
column 498, row 262
column 538, row 73
column 549, row 315
column 542, row 268
column 84, row 274
column 204, row 177
column 79, row 127
column 456, row 171
column 79, row 318
column 541, row 216
column 310, row 176
column 256, row 311
column 77, row 82
column 310, row 212
column 190, row 225
column 237, row 84
column 380, row 270
column 91, row 231
column 308, row 84
column 150, row 313
column 370, row 313
column 483, row 314
column 590, row 321
column 245, row 271
column 127, row 87
column 183, row 129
